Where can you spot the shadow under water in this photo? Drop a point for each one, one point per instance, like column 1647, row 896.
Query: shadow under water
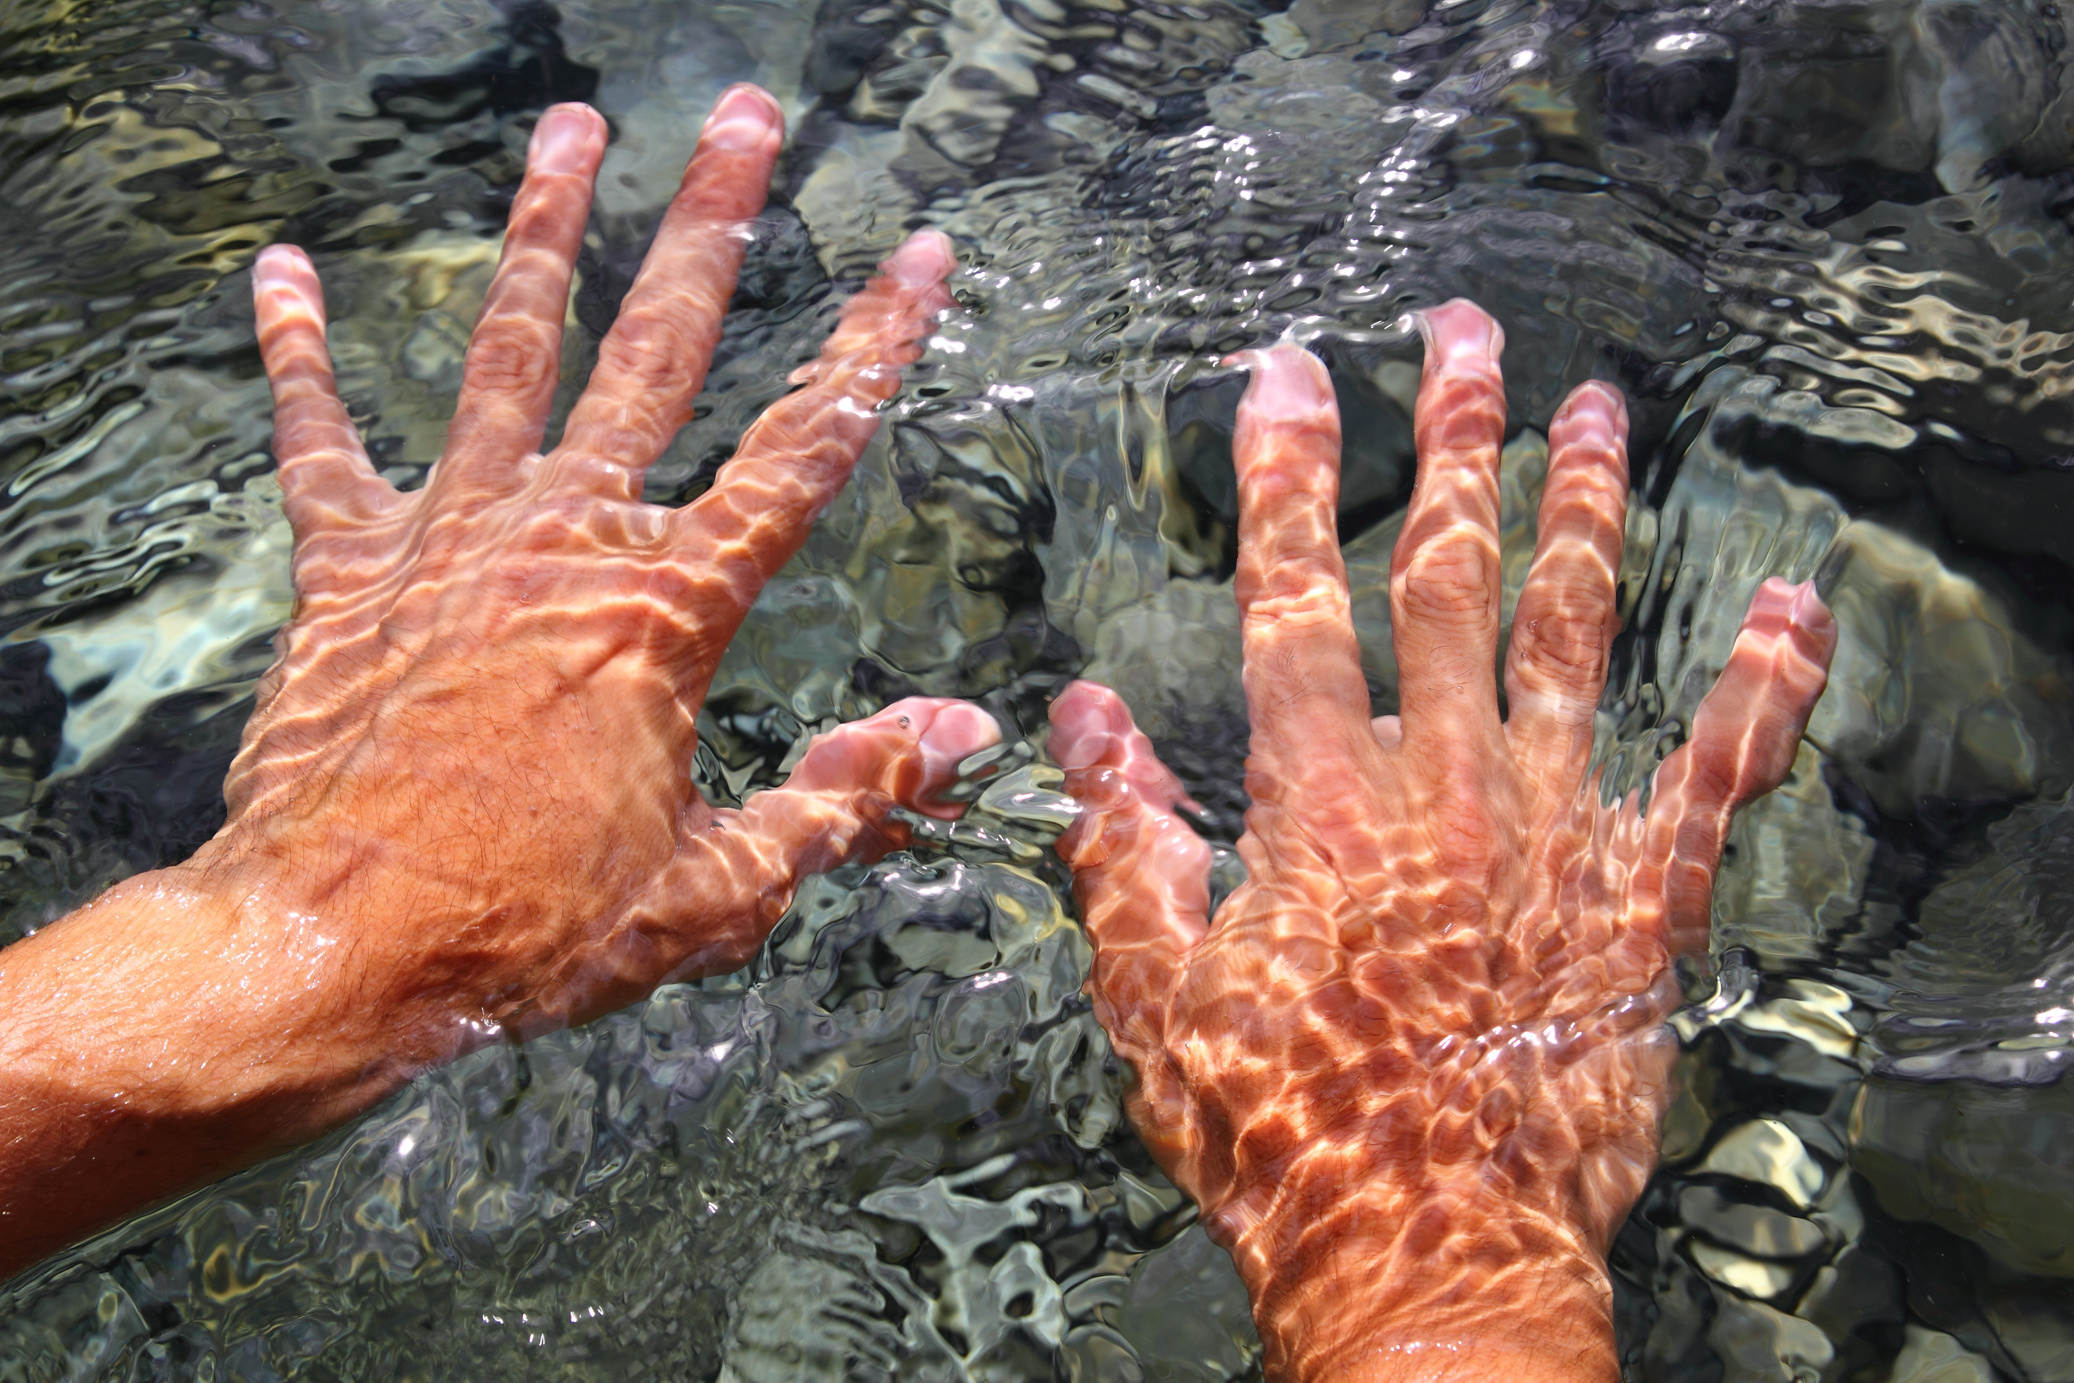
column 1823, row 247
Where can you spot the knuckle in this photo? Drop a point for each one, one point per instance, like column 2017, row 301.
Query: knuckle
column 1448, row 580
column 512, row 353
column 557, row 518
column 547, row 203
column 1461, row 411
column 1712, row 776
column 1296, row 594
column 1588, row 507
column 1561, row 639
column 650, row 342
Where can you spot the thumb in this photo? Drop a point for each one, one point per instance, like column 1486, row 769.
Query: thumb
column 904, row 756
column 1142, row 875
column 735, row 871
column 1744, row 738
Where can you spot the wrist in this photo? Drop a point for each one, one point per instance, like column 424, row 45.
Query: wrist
column 1433, row 1288
column 174, row 999
column 385, row 962
column 160, row 1038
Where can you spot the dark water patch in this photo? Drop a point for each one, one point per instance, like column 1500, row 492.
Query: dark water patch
column 1824, row 250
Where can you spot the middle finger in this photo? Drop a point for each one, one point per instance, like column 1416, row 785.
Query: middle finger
column 1444, row 574
column 652, row 363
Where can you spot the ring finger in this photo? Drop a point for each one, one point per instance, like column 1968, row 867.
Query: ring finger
column 1555, row 668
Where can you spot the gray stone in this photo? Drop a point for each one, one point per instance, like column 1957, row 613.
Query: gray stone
column 1754, row 1229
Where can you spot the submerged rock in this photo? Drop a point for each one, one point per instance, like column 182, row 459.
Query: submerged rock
column 1802, row 237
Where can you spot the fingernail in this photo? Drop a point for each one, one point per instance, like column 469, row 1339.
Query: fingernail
column 743, row 120
column 924, row 258
column 1808, row 609
column 560, row 140
column 1597, row 398
column 278, row 264
column 1078, row 746
column 1459, row 333
column 1594, row 410
column 957, row 732
column 1288, row 382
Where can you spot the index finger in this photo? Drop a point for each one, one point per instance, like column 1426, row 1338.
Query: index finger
column 1306, row 697
column 796, row 457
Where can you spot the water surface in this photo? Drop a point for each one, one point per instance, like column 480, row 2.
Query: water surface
column 1823, row 247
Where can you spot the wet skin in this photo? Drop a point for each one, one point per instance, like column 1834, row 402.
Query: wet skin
column 462, row 808
column 1412, row 1074
column 1412, row 1069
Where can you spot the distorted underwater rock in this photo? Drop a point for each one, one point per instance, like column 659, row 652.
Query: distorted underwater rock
column 1823, row 249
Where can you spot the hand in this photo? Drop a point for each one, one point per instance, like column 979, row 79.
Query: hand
column 476, row 742
column 1412, row 1071
column 463, row 805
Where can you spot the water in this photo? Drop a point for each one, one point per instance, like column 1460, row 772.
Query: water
column 1824, row 248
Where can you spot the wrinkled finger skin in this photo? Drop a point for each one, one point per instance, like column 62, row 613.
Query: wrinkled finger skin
column 1412, row 1069
column 468, row 771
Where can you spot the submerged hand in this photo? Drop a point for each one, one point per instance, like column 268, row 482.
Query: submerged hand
column 463, row 805
column 477, row 740
column 1412, row 1070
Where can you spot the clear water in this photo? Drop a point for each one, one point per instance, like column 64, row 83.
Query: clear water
column 1825, row 249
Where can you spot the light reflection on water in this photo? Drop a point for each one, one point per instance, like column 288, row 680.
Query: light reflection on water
column 1822, row 247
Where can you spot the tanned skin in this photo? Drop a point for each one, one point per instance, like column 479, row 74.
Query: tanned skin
column 1412, row 1069
column 462, row 810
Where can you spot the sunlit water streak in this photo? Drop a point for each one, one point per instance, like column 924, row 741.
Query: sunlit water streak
column 1822, row 247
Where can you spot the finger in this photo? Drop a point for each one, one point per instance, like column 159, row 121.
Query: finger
column 1555, row 668
column 1306, row 697
column 736, row 871
column 326, row 479
column 515, row 353
column 1444, row 575
column 1744, row 738
column 653, row 362
column 1142, row 876
column 796, row 458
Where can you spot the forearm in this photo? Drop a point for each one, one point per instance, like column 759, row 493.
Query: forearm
column 166, row 1034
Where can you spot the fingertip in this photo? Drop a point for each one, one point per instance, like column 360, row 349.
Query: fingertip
column 1594, row 405
column 923, row 260
column 1079, row 726
column 745, row 119
column 1460, row 335
column 1797, row 611
column 1083, row 724
column 956, row 731
column 286, row 294
column 1288, row 384
column 281, row 264
column 1811, row 612
column 569, row 137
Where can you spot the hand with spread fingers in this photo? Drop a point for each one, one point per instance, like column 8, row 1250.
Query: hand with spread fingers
column 1412, row 1069
column 463, row 805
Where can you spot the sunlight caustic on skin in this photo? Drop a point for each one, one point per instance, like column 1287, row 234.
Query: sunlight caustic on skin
column 546, row 574
column 463, row 805
column 1412, row 1069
